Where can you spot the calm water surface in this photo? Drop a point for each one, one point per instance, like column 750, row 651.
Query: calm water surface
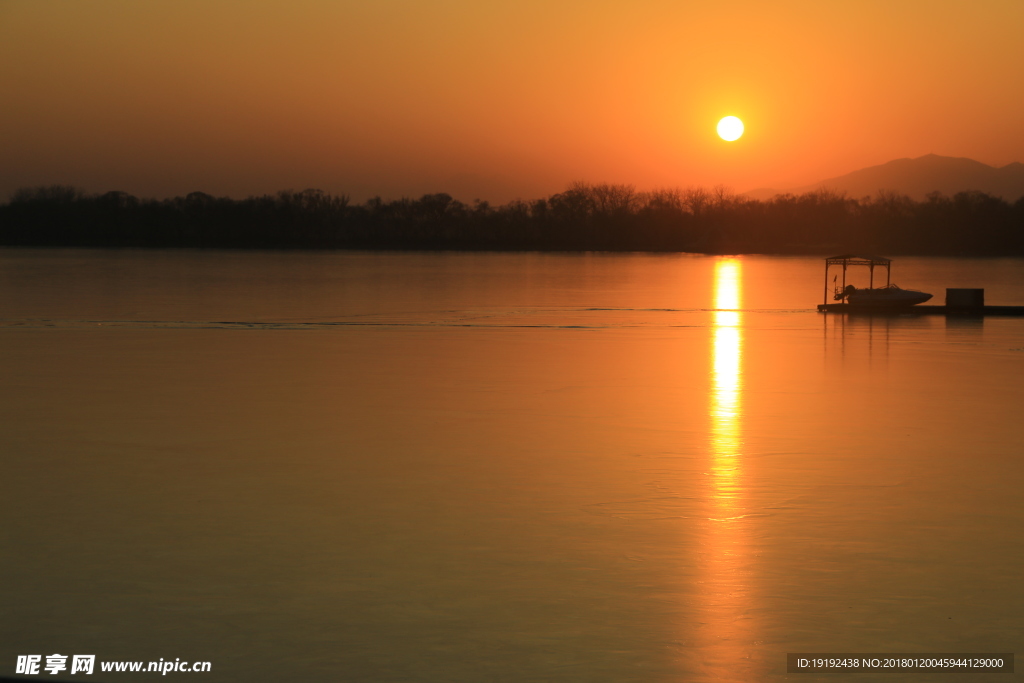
column 501, row 467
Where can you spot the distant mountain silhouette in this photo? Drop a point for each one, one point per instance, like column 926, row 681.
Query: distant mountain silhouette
column 918, row 177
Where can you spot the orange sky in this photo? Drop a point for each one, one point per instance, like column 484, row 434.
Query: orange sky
column 496, row 99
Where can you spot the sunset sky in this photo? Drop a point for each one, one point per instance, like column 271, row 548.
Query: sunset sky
column 496, row 100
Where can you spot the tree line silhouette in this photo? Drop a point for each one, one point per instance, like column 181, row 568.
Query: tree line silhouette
column 598, row 217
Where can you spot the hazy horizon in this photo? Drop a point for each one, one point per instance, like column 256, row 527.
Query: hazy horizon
column 495, row 102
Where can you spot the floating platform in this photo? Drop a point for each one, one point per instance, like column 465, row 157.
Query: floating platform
column 961, row 302
column 921, row 309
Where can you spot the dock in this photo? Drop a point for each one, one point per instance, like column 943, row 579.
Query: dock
column 921, row 309
column 893, row 300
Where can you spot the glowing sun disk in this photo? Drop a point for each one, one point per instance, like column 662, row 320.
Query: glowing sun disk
column 730, row 128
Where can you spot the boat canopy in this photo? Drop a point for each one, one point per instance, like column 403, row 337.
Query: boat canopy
column 853, row 260
column 846, row 260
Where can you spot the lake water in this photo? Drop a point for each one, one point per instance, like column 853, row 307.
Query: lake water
column 501, row 467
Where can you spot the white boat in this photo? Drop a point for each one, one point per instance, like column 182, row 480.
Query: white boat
column 889, row 296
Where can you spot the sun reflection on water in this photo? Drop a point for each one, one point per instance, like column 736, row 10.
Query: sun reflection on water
column 726, row 354
column 726, row 627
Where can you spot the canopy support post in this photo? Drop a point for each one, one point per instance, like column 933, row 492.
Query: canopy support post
column 825, row 300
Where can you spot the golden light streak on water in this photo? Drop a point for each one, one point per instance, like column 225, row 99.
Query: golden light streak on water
column 728, row 280
column 726, row 629
column 726, row 353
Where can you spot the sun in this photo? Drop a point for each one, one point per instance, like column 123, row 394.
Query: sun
column 730, row 128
